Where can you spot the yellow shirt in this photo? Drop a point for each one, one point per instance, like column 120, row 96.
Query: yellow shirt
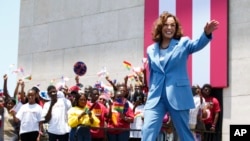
column 73, row 115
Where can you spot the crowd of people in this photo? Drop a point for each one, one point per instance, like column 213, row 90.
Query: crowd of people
column 204, row 117
column 92, row 112
column 128, row 112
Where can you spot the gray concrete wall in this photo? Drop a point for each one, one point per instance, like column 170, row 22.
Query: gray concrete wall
column 236, row 97
column 54, row 34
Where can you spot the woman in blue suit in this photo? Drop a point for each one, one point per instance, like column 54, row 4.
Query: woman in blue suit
column 170, row 90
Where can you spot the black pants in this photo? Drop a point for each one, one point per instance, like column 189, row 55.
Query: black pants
column 54, row 137
column 97, row 139
column 208, row 136
column 135, row 139
column 30, row 136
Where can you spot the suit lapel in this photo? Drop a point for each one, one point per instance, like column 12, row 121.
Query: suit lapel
column 171, row 50
column 157, row 56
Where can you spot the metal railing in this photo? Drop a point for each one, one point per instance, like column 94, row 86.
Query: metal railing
column 201, row 135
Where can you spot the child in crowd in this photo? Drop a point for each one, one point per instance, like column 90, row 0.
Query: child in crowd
column 29, row 116
column 138, row 117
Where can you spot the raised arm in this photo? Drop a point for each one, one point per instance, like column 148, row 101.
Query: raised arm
column 111, row 83
column 77, row 79
column 126, row 83
column 22, row 93
column 78, row 82
column 5, row 87
column 127, row 91
column 17, row 87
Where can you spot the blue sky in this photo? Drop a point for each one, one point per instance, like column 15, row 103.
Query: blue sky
column 9, row 34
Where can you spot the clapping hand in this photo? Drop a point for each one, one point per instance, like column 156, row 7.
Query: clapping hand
column 91, row 120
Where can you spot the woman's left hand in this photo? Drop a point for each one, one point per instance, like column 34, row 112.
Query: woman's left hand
column 211, row 26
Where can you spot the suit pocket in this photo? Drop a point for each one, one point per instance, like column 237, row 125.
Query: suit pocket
column 184, row 82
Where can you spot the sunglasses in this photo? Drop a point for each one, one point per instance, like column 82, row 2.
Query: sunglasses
column 102, row 99
column 206, row 89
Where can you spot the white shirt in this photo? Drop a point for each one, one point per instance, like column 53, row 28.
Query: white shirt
column 138, row 122
column 194, row 112
column 58, row 123
column 30, row 116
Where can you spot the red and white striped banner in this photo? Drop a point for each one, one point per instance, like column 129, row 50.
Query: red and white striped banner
column 209, row 65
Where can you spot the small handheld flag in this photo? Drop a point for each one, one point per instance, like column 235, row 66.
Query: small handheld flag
column 127, row 65
column 103, row 72
column 28, row 77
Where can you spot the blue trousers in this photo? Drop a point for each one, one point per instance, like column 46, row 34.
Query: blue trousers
column 123, row 136
column 80, row 134
column 153, row 119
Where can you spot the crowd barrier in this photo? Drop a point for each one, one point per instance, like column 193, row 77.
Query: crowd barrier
column 201, row 135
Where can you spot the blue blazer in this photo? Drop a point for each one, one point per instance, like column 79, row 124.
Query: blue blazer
column 171, row 78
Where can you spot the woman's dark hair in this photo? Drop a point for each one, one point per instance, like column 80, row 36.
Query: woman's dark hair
column 74, row 93
column 35, row 89
column 196, row 89
column 36, row 99
column 159, row 23
column 207, row 86
column 50, row 87
column 11, row 100
column 95, row 89
column 77, row 97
